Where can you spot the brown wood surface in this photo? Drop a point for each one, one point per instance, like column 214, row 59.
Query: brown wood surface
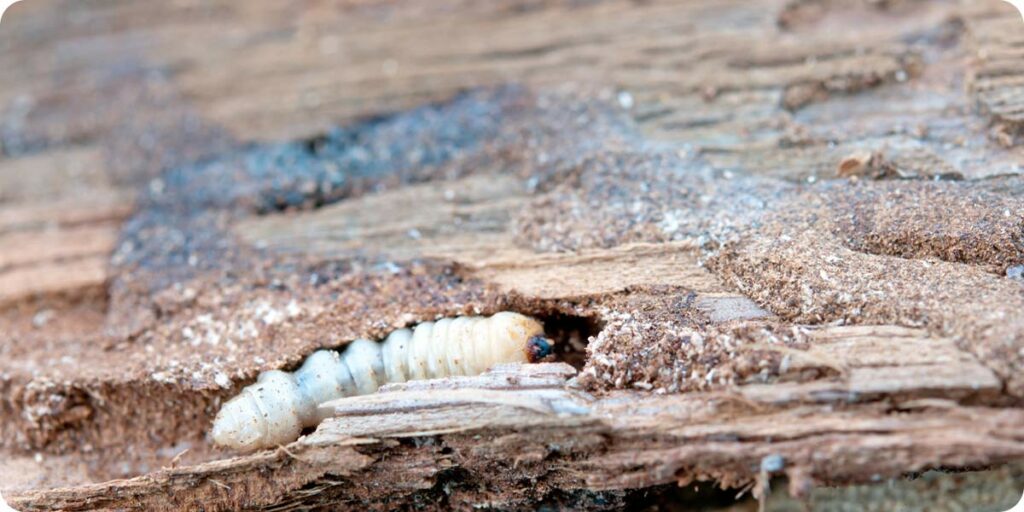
column 102, row 406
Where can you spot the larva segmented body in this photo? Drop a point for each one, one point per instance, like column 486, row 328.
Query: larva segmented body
column 279, row 405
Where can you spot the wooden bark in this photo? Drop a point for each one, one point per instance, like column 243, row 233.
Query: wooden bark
column 522, row 424
column 861, row 327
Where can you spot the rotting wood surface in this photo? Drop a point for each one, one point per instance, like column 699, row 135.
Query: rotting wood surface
column 786, row 227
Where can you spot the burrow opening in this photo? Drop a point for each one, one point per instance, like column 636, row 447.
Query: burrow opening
column 570, row 332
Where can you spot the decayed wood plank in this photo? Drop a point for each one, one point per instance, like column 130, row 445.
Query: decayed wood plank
column 997, row 77
column 58, row 249
column 60, row 215
column 54, row 175
column 457, row 219
column 26, row 249
column 877, row 362
column 415, row 61
column 527, row 415
column 109, row 207
column 70, row 279
column 771, row 111
column 468, row 221
column 598, row 271
column 884, row 345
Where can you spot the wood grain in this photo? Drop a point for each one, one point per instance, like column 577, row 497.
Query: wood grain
column 621, row 441
column 108, row 94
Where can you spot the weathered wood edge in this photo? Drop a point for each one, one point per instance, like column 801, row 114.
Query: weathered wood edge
column 530, row 422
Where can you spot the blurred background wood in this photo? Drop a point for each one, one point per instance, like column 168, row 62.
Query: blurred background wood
column 98, row 98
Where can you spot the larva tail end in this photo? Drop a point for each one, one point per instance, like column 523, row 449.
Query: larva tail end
column 238, row 425
column 539, row 348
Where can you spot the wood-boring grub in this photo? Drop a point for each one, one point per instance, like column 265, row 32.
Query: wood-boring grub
column 275, row 409
column 734, row 305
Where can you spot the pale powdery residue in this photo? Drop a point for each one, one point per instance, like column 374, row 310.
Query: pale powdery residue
column 204, row 330
column 163, row 377
column 671, row 222
column 50, row 400
column 678, row 352
column 244, row 330
column 229, row 333
column 248, row 324
column 221, row 379
column 292, row 309
column 176, row 372
column 269, row 314
column 170, row 373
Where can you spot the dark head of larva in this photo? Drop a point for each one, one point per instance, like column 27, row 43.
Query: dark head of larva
column 539, row 347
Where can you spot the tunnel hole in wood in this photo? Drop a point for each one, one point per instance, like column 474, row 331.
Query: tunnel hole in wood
column 571, row 334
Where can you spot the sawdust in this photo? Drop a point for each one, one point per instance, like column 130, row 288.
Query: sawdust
column 128, row 382
column 194, row 315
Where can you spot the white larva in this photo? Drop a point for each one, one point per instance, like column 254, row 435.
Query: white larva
column 279, row 405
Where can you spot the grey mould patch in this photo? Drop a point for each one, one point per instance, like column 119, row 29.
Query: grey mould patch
column 342, row 162
column 181, row 230
column 181, row 225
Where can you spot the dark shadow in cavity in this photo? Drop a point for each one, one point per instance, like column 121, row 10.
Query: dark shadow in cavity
column 571, row 335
